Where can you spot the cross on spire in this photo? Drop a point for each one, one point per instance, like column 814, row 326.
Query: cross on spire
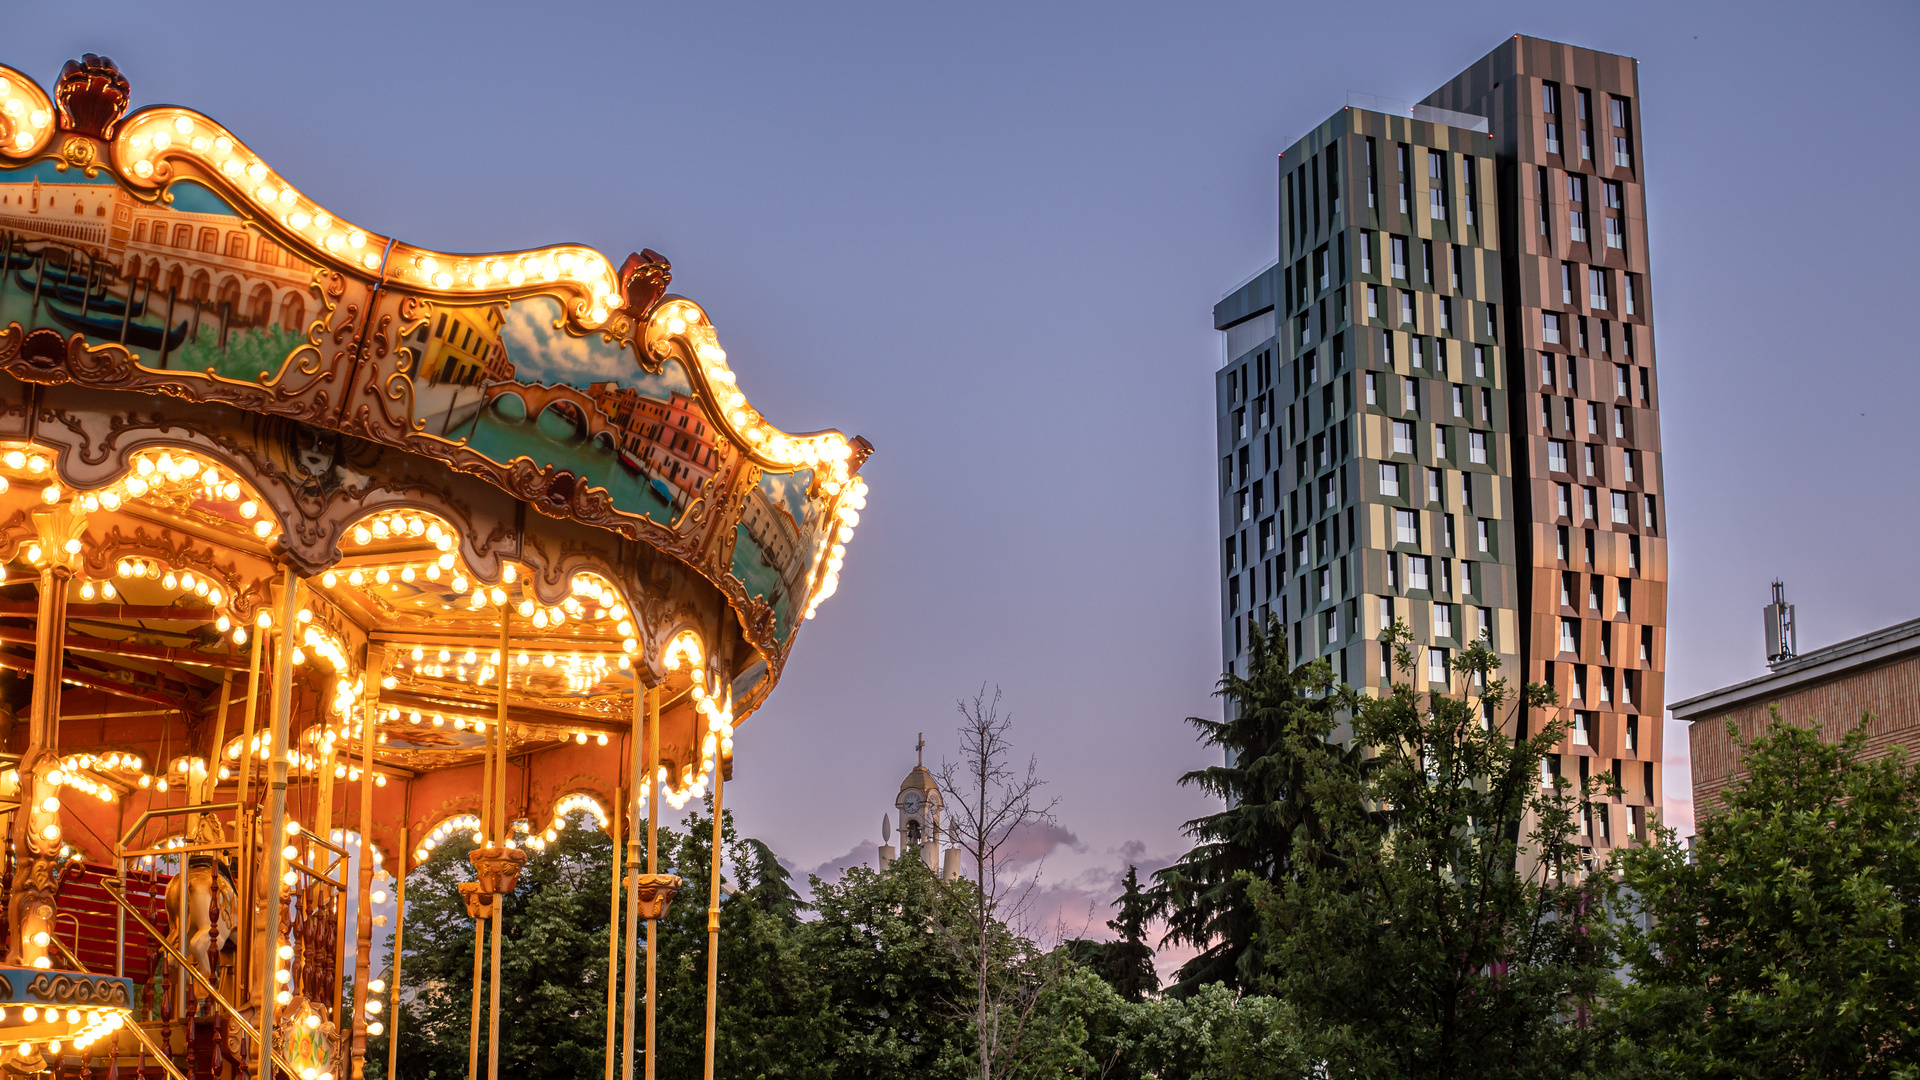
column 920, row 749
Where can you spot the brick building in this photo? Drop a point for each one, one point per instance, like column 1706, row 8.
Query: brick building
column 1877, row 673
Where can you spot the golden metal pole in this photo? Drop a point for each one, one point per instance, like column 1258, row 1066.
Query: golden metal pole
column 479, row 923
column 713, row 917
column 637, row 745
column 205, row 794
column 613, row 939
column 500, row 816
column 479, row 984
column 277, row 810
column 399, row 926
column 36, row 830
column 244, row 817
column 363, row 937
column 653, row 858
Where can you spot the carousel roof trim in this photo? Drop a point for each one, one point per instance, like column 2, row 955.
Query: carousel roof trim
column 157, row 146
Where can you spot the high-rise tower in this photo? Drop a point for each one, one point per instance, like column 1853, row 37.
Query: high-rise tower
column 1439, row 406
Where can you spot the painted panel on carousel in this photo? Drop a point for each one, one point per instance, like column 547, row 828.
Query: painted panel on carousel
column 779, row 543
column 510, row 381
column 183, row 284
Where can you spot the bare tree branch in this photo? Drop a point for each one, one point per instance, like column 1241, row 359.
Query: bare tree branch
column 988, row 803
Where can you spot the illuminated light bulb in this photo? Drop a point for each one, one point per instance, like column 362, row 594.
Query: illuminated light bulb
column 51, row 832
column 329, row 579
column 539, row 617
column 86, row 591
column 382, row 576
column 362, row 535
column 240, row 637
column 580, row 737
column 439, row 721
column 262, row 528
column 282, row 974
column 51, row 494
column 602, row 737
column 37, row 464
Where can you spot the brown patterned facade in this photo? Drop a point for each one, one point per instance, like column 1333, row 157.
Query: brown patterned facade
column 1440, row 406
column 1872, row 681
column 1585, row 395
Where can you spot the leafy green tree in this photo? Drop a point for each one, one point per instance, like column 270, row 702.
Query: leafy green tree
column 1127, row 961
column 1439, row 925
column 1787, row 942
column 554, row 963
column 896, row 986
column 1273, row 739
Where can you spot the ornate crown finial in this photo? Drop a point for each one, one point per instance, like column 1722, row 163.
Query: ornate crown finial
column 92, row 96
column 645, row 276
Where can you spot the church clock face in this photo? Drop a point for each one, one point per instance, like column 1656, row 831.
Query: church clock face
column 913, row 802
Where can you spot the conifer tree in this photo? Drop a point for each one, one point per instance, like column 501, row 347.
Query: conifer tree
column 1127, row 962
column 1279, row 718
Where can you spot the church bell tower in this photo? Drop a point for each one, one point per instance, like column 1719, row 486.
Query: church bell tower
column 919, row 806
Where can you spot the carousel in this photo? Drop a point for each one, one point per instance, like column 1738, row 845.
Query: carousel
column 320, row 548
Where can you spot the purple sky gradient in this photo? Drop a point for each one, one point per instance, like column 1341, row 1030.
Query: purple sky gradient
column 989, row 236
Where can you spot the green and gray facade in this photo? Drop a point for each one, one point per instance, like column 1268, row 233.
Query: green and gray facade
column 1439, row 405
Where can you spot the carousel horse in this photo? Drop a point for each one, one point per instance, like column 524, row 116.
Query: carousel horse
column 211, row 907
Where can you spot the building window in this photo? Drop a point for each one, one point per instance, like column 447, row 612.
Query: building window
column 1439, row 441
column 1410, row 395
column 1550, row 327
column 1437, row 665
column 1577, row 209
column 1648, row 520
column 1550, row 110
column 1398, row 263
column 1569, row 635
column 1433, row 485
column 1619, row 422
column 1373, row 389
column 1589, row 504
column 1406, row 309
column 1597, row 288
column 1626, row 462
column 1588, row 463
column 1480, row 367
column 1443, row 620
column 1402, row 437
column 1417, row 568
column 1614, row 237
column 1556, row 456
column 1373, row 302
column 1389, row 479
column 1583, row 729
column 1564, row 497
column 1632, row 742
column 1406, row 527
column 1620, row 507
column 1485, row 534
column 1366, row 252
column 1593, row 593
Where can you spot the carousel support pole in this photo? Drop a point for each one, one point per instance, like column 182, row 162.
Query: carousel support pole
column 613, row 938
column 713, row 916
column 653, row 859
column 36, row 830
column 501, row 833
column 399, row 927
column 641, row 695
column 480, row 921
column 376, row 667
column 277, row 810
column 246, row 820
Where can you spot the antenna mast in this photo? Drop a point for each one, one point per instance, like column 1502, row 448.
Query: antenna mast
column 1781, row 638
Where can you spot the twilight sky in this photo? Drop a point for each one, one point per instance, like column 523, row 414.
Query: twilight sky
column 989, row 236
